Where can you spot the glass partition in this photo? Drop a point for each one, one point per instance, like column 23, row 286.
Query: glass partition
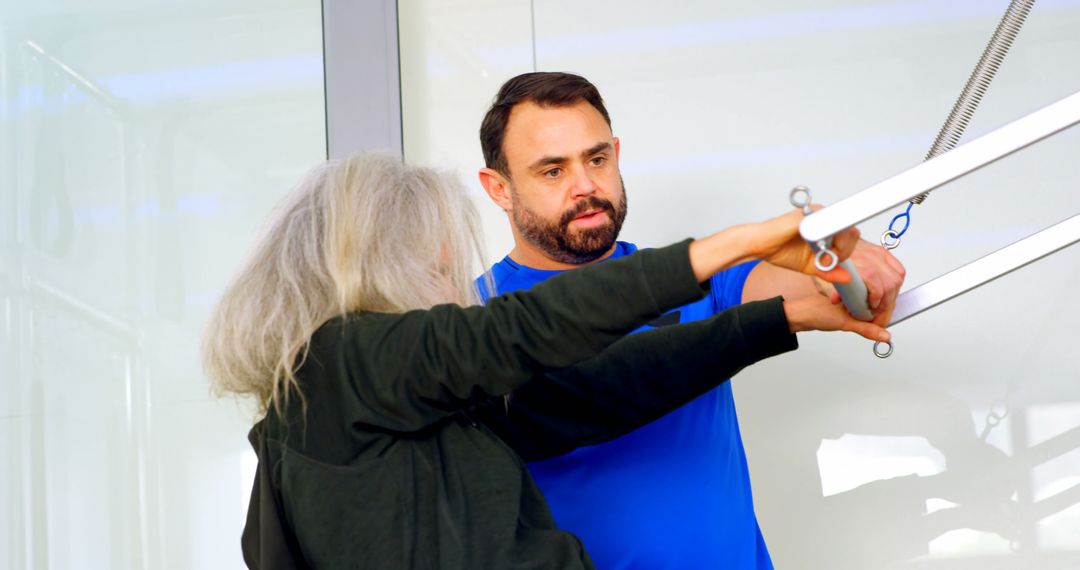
column 143, row 144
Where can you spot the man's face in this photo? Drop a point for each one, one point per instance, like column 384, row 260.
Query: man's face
column 568, row 199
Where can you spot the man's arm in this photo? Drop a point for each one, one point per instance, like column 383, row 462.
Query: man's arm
column 879, row 269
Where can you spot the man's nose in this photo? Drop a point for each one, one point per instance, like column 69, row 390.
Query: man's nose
column 583, row 184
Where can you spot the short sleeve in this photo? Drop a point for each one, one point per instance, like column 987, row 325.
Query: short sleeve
column 727, row 286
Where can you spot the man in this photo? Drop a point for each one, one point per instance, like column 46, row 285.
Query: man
column 676, row 492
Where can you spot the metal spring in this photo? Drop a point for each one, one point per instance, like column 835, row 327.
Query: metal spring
column 976, row 86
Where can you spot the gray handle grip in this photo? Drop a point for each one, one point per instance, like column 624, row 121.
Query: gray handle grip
column 854, row 293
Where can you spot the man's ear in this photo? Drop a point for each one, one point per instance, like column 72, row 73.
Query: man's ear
column 616, row 148
column 497, row 187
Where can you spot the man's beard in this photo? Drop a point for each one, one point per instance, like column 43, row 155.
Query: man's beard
column 562, row 244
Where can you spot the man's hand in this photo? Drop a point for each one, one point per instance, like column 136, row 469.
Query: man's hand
column 883, row 275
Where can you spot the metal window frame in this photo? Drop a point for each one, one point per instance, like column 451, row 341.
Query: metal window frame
column 362, row 76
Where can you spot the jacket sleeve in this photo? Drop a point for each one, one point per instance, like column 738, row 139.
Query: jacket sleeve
column 636, row 380
column 404, row 372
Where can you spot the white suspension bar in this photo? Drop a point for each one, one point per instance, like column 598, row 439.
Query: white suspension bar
column 935, row 172
column 986, row 269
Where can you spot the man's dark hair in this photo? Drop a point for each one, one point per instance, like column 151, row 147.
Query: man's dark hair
column 546, row 89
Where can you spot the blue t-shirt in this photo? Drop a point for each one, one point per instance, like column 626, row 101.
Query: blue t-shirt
column 672, row 494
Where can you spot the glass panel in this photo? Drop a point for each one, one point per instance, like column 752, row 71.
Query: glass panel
column 143, row 144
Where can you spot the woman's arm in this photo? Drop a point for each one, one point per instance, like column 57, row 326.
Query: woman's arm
column 636, row 380
column 403, row 372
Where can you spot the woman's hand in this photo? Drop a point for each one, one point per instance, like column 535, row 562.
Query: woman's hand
column 818, row 313
column 778, row 242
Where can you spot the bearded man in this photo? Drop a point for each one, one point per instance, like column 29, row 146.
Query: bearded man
column 674, row 493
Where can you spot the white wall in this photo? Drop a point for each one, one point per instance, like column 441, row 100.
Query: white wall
column 142, row 144
column 723, row 107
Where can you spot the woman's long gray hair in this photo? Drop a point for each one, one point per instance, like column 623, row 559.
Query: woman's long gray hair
column 362, row 233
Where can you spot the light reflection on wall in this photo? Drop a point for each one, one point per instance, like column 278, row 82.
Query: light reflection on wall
column 1056, row 479
column 966, row 543
column 854, row 460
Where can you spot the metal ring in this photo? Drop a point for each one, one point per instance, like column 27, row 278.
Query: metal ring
column 798, row 192
column 832, row 258
column 993, row 418
column 885, row 239
column 885, row 354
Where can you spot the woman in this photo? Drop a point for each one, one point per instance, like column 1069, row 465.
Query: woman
column 354, row 325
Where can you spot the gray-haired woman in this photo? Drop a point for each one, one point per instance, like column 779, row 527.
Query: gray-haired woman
column 385, row 388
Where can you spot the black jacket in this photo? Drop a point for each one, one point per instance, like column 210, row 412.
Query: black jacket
column 398, row 459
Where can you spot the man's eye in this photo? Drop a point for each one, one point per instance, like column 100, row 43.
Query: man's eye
column 553, row 173
column 599, row 160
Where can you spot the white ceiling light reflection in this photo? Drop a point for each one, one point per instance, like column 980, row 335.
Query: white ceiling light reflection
column 855, row 460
